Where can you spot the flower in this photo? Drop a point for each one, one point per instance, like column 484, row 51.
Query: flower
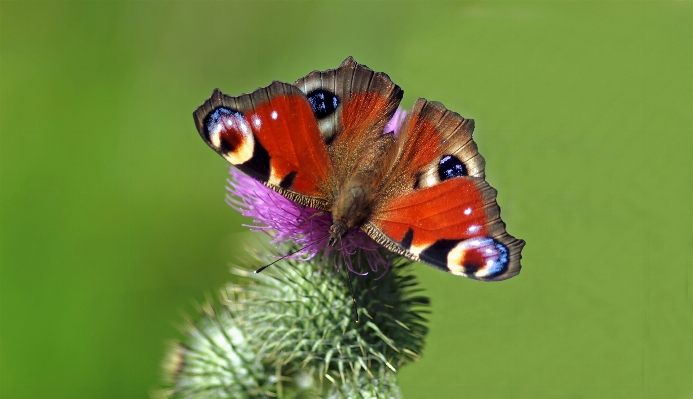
column 396, row 122
column 290, row 224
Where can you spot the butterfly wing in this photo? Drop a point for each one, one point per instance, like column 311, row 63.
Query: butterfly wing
column 306, row 140
column 273, row 136
column 352, row 105
column 436, row 206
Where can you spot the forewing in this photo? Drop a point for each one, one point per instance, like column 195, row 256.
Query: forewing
column 433, row 145
column 273, row 136
column 352, row 105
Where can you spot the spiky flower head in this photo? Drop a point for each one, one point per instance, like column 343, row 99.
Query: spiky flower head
column 289, row 332
column 215, row 361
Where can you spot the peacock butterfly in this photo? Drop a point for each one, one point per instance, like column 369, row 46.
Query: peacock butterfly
column 419, row 192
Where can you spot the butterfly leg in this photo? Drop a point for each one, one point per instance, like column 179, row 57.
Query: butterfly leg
column 337, row 231
column 353, row 299
column 317, row 214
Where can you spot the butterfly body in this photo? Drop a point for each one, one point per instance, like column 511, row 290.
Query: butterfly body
column 418, row 191
column 351, row 208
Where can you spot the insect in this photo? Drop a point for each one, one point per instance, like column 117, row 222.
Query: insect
column 419, row 192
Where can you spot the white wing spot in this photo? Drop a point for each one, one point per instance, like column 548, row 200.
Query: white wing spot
column 468, row 211
column 274, row 115
column 244, row 127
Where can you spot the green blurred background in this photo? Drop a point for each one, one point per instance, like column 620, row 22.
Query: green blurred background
column 113, row 219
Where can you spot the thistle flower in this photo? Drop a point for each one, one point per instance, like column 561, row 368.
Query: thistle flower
column 396, row 122
column 289, row 223
column 288, row 334
column 215, row 361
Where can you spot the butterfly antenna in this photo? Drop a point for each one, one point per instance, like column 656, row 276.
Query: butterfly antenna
column 290, row 253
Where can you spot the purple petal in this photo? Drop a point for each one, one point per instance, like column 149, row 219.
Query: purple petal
column 290, row 223
column 395, row 124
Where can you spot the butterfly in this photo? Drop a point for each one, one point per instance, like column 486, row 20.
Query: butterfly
column 419, row 192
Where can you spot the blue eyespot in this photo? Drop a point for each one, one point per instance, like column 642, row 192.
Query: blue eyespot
column 214, row 120
column 450, row 166
column 323, row 103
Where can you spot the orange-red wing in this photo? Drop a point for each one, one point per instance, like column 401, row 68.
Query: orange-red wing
column 454, row 225
column 273, row 136
column 453, row 209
